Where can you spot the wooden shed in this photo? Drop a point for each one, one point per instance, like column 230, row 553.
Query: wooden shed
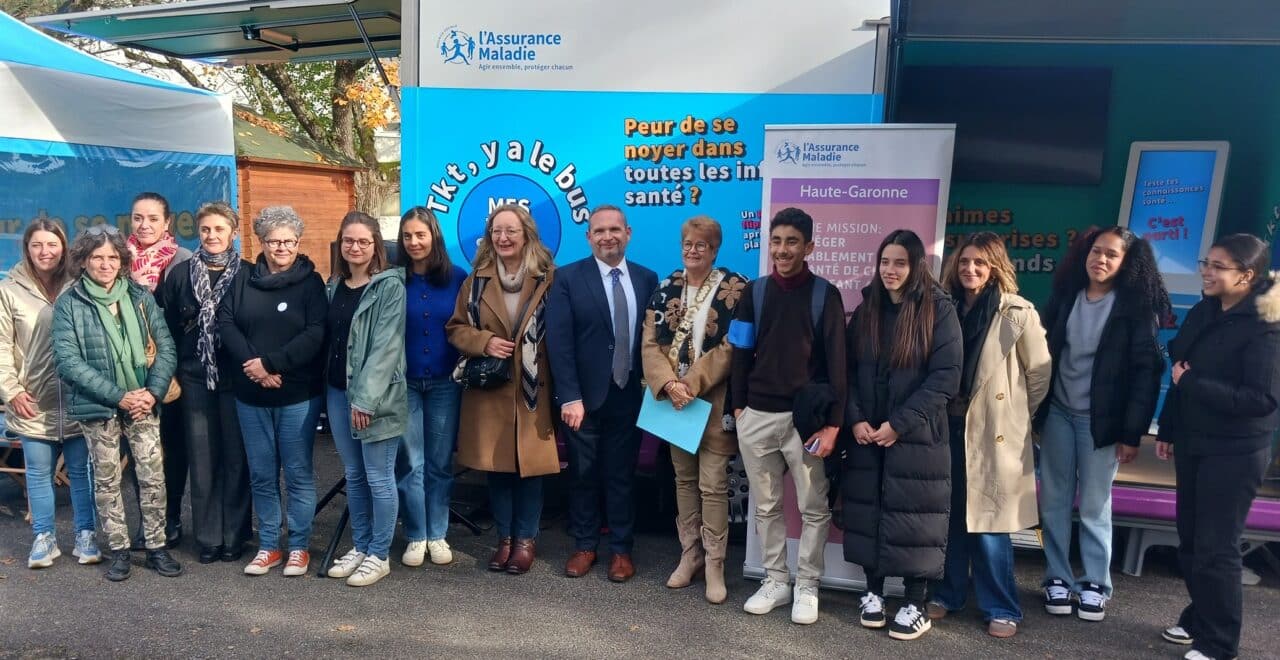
column 277, row 166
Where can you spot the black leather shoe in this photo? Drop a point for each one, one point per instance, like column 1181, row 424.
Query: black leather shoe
column 163, row 563
column 172, row 536
column 233, row 553
column 210, row 555
column 118, row 570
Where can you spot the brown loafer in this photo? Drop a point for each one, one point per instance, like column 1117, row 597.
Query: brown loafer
column 621, row 569
column 521, row 557
column 498, row 562
column 579, row 563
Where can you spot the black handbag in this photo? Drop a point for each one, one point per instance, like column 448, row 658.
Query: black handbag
column 485, row 372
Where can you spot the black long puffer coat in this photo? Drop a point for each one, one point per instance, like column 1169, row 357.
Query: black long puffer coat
column 897, row 500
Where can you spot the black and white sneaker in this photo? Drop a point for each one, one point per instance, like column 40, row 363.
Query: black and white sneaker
column 1177, row 635
column 872, row 607
column 910, row 623
column 1057, row 597
column 1093, row 603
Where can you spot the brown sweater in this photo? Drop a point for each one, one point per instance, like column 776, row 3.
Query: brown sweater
column 768, row 377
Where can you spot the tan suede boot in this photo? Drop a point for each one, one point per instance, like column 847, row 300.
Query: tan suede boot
column 691, row 557
column 715, row 548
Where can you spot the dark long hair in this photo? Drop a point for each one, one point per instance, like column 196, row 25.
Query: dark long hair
column 1250, row 253
column 1138, row 279
column 913, row 333
column 439, row 266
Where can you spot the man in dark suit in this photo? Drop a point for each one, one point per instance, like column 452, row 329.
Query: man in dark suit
column 594, row 319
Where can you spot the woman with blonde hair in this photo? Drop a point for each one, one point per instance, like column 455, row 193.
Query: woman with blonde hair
column 506, row 427
column 35, row 400
column 1004, row 377
column 686, row 355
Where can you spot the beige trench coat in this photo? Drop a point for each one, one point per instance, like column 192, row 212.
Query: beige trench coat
column 708, row 378
column 496, row 431
column 1011, row 380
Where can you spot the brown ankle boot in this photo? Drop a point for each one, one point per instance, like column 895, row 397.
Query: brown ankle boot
column 715, row 548
column 691, row 558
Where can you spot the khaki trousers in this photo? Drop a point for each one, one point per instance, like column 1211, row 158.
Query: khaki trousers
column 702, row 483
column 770, row 445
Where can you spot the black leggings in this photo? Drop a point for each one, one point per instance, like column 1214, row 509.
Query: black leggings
column 917, row 589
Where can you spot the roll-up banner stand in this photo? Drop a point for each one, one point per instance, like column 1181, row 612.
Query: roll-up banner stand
column 859, row 182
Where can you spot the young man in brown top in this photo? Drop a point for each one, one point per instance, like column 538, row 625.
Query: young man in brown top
column 795, row 339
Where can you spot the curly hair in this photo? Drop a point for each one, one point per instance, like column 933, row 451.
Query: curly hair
column 1139, row 277
column 94, row 238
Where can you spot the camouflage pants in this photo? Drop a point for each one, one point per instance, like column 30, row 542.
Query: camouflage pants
column 104, row 438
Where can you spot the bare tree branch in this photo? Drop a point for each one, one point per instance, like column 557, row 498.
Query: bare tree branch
column 169, row 63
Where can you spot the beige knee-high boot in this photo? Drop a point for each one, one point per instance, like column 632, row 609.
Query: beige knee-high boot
column 715, row 547
column 691, row 555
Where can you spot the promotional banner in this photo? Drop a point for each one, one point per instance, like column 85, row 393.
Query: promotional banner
column 658, row 108
column 81, row 185
column 858, row 183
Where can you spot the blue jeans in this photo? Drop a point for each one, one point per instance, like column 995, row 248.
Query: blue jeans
column 989, row 556
column 424, row 466
column 276, row 437
column 1069, row 462
column 41, row 457
column 370, row 469
column 516, row 504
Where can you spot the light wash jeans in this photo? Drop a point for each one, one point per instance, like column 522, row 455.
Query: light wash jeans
column 1070, row 463
column 424, row 465
column 276, row 438
column 41, row 457
column 370, row 468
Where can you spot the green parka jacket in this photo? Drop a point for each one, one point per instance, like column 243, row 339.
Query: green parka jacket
column 83, row 356
column 375, row 356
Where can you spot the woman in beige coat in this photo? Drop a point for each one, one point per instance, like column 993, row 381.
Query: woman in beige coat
column 1005, row 377
column 507, row 430
column 686, row 355
column 35, row 400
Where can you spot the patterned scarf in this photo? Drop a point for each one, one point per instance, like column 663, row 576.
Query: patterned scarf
column 672, row 321
column 209, row 297
column 149, row 262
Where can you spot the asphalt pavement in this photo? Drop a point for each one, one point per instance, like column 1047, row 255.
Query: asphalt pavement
column 462, row 610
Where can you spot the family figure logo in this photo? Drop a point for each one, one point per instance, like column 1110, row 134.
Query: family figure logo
column 456, row 46
column 788, row 152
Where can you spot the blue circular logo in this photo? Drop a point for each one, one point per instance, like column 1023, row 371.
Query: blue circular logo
column 506, row 189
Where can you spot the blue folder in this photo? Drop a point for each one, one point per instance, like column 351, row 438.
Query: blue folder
column 682, row 428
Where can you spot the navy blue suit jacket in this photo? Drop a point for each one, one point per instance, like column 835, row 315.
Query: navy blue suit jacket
column 580, row 331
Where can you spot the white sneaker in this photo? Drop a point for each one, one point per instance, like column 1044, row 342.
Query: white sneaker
column 770, row 595
column 440, row 552
column 414, row 553
column 370, row 571
column 1195, row 655
column 1177, row 635
column 347, row 564
column 804, row 606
